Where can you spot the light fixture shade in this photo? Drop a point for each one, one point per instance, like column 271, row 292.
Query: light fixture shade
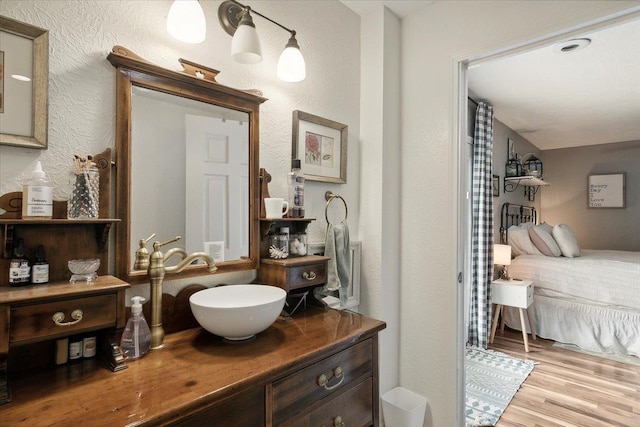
column 291, row 66
column 186, row 21
column 245, row 45
column 502, row 254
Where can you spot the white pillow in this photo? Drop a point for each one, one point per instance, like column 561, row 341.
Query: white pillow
column 519, row 240
column 566, row 240
column 544, row 241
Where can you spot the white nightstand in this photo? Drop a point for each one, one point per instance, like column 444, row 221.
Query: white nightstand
column 513, row 293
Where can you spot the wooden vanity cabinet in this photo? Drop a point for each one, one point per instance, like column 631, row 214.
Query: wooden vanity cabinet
column 339, row 387
column 318, row 368
column 303, row 398
column 245, row 410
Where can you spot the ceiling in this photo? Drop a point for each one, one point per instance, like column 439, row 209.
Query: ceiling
column 557, row 100
column 587, row 97
column 400, row 8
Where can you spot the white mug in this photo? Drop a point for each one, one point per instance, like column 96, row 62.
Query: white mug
column 275, row 207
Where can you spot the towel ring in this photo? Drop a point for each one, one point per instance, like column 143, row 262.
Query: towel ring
column 329, row 196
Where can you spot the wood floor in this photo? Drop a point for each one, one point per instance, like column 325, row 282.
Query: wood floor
column 570, row 389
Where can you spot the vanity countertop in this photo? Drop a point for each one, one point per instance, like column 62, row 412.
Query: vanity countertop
column 194, row 369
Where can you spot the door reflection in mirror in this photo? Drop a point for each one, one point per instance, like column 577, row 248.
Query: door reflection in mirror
column 190, row 174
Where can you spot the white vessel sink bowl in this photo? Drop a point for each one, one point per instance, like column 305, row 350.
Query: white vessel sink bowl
column 237, row 312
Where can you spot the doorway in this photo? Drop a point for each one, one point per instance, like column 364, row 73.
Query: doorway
column 464, row 190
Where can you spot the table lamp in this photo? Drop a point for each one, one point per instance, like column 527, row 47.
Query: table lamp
column 502, row 257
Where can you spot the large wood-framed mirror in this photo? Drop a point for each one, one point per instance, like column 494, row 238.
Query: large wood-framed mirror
column 187, row 165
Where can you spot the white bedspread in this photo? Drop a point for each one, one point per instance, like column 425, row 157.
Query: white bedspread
column 602, row 276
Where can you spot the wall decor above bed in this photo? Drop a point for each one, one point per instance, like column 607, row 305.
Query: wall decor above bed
column 606, row 191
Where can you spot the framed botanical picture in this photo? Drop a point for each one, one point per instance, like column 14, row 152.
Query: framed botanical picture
column 511, row 149
column 321, row 146
column 24, row 77
column 606, row 191
column 495, row 183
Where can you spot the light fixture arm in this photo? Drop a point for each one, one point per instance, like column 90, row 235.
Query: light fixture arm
column 230, row 17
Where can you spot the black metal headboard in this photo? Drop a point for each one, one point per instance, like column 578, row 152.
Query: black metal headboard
column 515, row 215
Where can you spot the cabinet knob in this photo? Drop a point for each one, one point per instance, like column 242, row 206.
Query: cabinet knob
column 76, row 315
column 309, row 275
column 338, row 374
column 337, row 422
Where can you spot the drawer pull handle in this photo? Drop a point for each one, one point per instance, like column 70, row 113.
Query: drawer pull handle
column 323, row 381
column 337, row 422
column 76, row 315
column 309, row 275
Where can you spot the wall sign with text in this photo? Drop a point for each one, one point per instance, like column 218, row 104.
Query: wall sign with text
column 606, row 191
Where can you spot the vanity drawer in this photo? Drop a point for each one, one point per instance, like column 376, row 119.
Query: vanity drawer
column 294, row 273
column 354, row 407
column 306, row 275
column 35, row 321
column 300, row 390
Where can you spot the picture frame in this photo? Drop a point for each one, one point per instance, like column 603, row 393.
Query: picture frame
column 495, row 182
column 321, row 146
column 24, row 84
column 606, row 190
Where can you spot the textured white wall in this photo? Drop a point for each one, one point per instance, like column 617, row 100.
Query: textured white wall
column 82, row 82
column 434, row 39
column 379, row 220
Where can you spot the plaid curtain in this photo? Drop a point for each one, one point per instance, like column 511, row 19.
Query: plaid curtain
column 482, row 229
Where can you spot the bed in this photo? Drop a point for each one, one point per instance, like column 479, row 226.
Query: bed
column 590, row 298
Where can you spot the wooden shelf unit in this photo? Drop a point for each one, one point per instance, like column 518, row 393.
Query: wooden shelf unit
column 62, row 239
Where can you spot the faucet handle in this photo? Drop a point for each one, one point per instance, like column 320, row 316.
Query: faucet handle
column 158, row 245
column 143, row 242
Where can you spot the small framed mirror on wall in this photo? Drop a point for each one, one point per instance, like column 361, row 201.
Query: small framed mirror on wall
column 24, row 84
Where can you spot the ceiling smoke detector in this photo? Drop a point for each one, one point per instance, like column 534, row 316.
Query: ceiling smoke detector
column 571, row 46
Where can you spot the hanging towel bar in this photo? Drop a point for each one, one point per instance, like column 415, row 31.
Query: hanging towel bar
column 329, row 196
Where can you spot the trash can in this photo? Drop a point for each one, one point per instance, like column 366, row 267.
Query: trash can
column 403, row 408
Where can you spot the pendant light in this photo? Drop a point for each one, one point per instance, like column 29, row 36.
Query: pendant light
column 291, row 66
column 245, row 45
column 186, row 21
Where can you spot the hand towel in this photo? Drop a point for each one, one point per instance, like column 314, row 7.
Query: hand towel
column 339, row 265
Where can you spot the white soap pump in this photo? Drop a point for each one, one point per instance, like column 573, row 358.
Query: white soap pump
column 136, row 338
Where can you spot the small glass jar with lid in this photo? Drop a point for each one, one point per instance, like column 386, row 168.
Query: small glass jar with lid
column 298, row 244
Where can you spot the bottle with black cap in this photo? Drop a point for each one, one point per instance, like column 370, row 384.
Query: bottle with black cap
column 296, row 190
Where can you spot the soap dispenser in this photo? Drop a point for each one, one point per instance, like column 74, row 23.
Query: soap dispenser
column 136, row 338
column 37, row 196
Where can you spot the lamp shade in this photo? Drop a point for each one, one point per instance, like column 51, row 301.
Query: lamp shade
column 186, row 21
column 502, row 254
column 291, row 66
column 245, row 45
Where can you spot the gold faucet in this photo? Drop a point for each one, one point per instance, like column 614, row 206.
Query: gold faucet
column 156, row 272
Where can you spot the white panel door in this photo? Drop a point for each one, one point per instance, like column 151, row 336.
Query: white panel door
column 220, row 148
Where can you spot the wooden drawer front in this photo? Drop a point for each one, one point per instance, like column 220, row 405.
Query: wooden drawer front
column 300, row 390
column 354, row 407
column 306, row 275
column 33, row 322
column 246, row 410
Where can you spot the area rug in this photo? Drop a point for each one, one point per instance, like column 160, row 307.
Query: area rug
column 623, row 358
column 492, row 379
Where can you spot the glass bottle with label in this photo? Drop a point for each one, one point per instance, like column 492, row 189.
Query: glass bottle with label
column 40, row 268
column 19, row 267
column 296, row 190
